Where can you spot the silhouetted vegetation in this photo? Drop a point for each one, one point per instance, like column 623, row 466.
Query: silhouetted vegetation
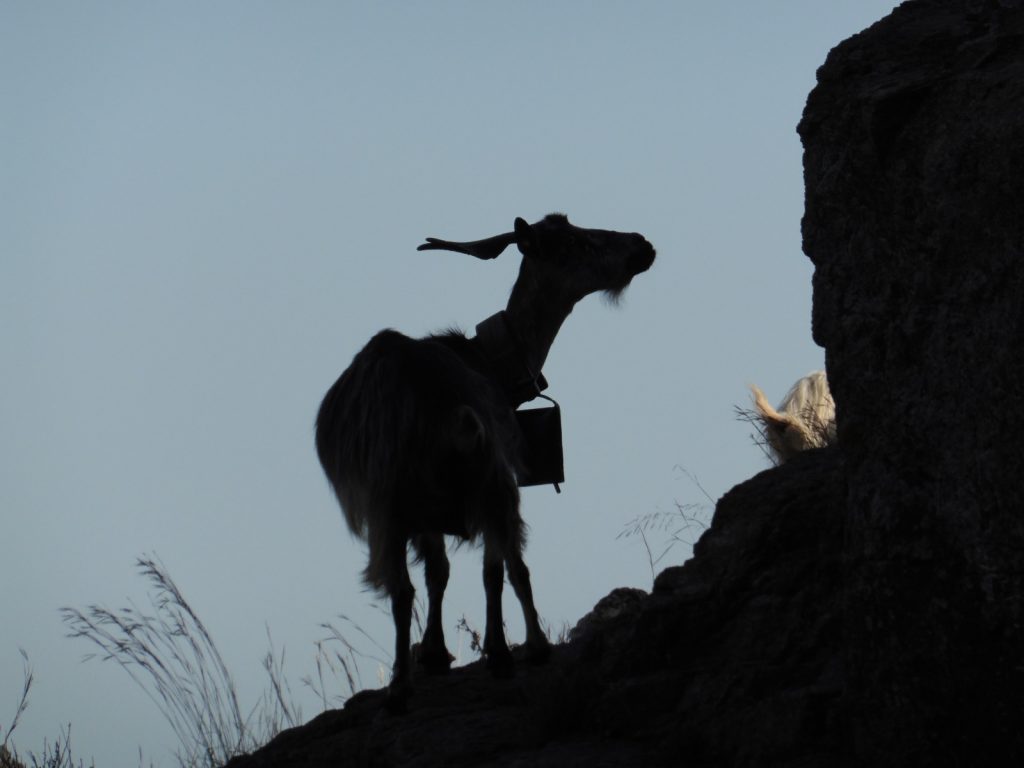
column 168, row 651
column 55, row 755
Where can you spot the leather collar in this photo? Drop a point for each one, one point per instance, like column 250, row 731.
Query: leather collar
column 504, row 352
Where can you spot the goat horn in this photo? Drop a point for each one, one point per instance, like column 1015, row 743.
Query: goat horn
column 489, row 248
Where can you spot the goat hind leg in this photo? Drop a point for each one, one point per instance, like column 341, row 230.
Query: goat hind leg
column 538, row 649
column 400, row 589
column 499, row 658
column 433, row 653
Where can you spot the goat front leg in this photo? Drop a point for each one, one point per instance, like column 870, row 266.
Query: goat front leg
column 499, row 658
column 538, row 649
column 433, row 653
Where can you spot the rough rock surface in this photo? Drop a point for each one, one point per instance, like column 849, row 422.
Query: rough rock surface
column 914, row 172
column 862, row 604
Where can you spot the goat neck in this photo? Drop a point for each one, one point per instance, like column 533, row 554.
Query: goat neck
column 535, row 313
column 500, row 344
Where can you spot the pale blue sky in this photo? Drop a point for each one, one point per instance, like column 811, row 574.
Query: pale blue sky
column 207, row 208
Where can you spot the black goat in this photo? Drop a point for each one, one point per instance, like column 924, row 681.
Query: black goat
column 418, row 436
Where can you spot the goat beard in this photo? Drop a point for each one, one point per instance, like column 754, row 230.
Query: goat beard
column 613, row 296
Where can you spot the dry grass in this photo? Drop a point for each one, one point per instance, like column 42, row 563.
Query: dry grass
column 338, row 661
column 661, row 531
column 759, row 437
column 168, row 652
column 55, row 755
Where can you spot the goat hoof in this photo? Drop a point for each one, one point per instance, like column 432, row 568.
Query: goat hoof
column 501, row 664
column 435, row 661
column 397, row 701
column 538, row 653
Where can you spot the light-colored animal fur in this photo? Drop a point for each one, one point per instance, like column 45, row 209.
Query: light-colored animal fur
column 806, row 417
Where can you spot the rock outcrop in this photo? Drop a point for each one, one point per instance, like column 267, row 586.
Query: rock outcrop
column 862, row 604
column 914, row 173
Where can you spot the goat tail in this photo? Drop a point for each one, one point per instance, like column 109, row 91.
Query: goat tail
column 771, row 418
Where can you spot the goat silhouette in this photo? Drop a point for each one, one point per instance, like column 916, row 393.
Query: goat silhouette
column 418, row 436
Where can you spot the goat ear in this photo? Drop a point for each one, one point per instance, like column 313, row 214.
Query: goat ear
column 527, row 240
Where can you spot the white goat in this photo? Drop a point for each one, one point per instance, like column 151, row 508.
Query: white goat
column 806, row 417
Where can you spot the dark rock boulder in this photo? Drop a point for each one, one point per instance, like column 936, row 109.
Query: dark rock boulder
column 914, row 171
column 861, row 605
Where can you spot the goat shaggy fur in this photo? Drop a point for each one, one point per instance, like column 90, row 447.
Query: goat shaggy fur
column 419, row 440
column 806, row 417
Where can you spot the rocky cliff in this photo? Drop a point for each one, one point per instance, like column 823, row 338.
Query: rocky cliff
column 862, row 604
column 914, row 173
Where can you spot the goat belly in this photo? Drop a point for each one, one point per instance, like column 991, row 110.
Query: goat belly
column 421, row 434
column 443, row 501
column 430, row 518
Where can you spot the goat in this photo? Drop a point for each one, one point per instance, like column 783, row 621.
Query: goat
column 419, row 440
column 806, row 417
